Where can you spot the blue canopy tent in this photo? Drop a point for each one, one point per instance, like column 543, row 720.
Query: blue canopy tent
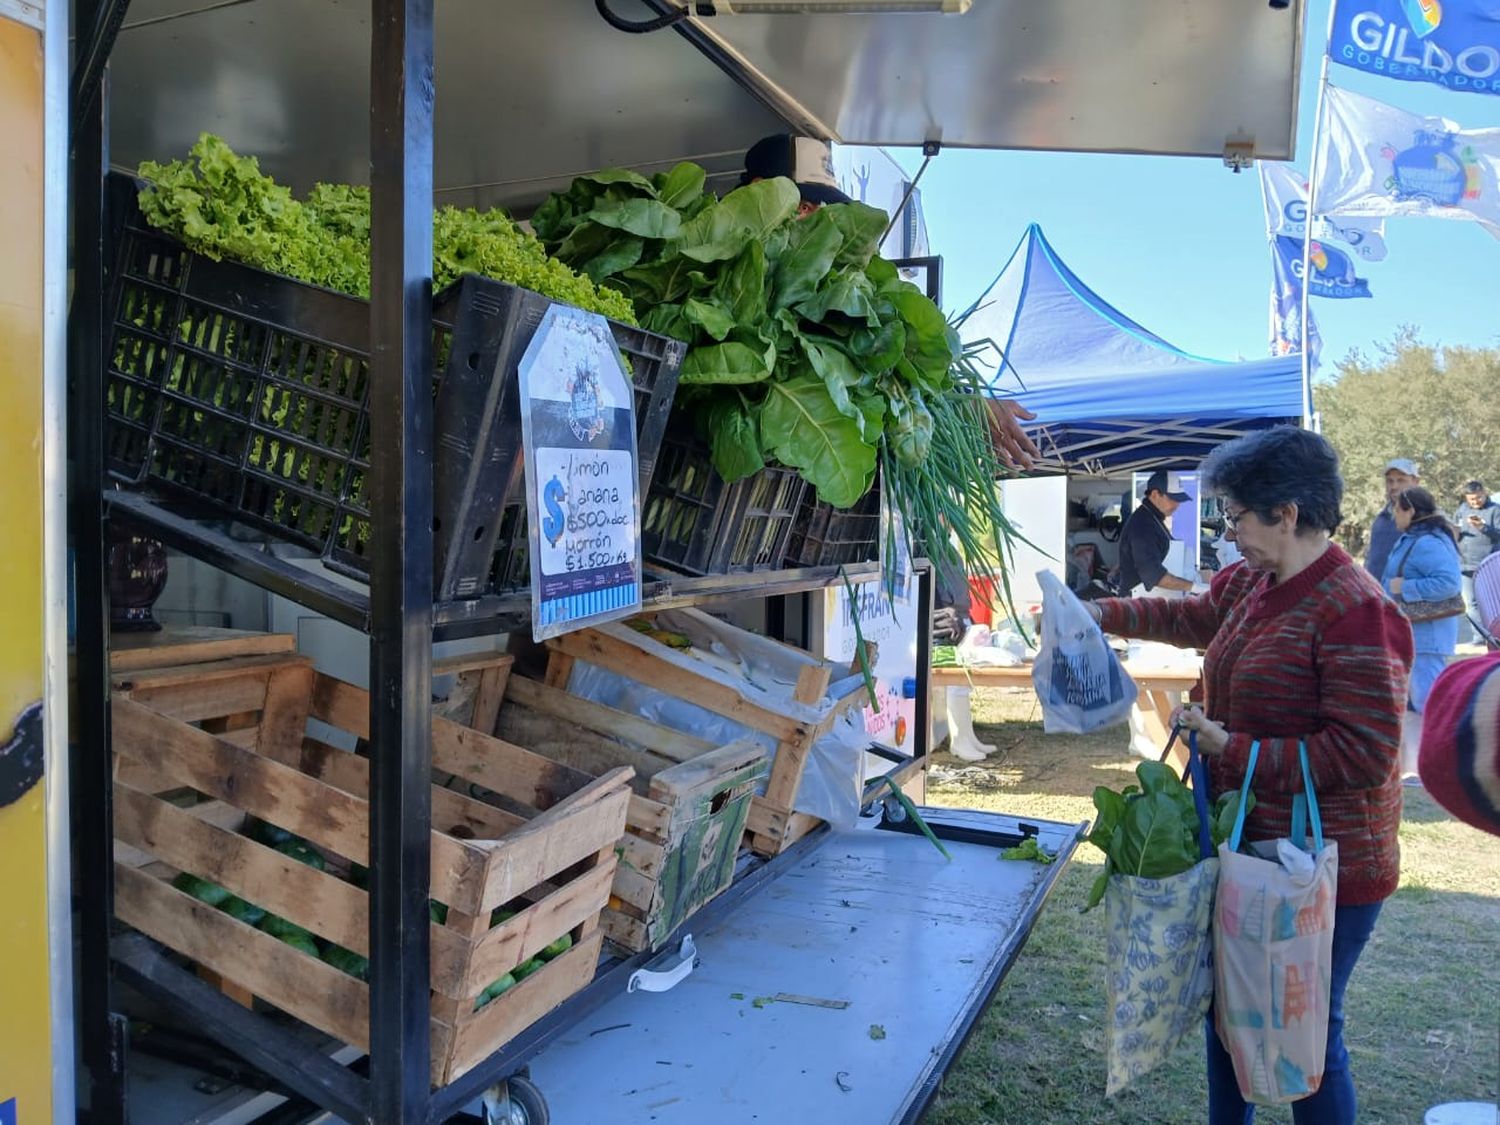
column 1110, row 396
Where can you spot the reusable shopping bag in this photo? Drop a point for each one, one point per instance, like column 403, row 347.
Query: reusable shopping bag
column 1273, row 951
column 1159, row 952
column 1079, row 680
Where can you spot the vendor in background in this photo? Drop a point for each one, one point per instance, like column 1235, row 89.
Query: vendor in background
column 1145, row 540
column 806, row 161
column 1400, row 473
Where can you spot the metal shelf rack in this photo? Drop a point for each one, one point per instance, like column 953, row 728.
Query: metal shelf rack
column 397, row 612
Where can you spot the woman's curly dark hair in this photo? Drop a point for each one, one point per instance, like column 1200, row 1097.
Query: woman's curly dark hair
column 1271, row 469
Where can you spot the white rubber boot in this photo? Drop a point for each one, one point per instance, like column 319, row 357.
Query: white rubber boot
column 963, row 743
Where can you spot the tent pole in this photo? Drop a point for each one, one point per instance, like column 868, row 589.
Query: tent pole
column 1309, row 419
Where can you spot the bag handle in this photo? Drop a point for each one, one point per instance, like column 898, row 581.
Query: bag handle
column 1305, row 808
column 1199, row 773
column 1303, row 805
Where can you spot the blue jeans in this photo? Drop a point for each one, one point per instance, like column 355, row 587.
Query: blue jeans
column 1334, row 1103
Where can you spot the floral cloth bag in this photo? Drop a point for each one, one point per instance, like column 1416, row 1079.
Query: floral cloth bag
column 1273, row 952
column 1160, row 953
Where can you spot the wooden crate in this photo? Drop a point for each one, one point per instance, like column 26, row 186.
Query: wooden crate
column 685, row 820
column 182, row 792
column 795, row 725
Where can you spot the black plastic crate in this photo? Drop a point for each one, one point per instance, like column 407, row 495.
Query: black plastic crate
column 827, row 536
column 247, row 394
column 696, row 523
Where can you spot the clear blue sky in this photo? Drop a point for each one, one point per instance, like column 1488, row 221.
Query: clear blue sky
column 1179, row 244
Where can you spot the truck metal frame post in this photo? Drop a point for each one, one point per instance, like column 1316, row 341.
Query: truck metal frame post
column 101, row 1033
column 401, row 101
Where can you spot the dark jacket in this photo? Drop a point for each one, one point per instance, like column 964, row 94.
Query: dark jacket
column 1476, row 543
column 1144, row 544
column 1383, row 536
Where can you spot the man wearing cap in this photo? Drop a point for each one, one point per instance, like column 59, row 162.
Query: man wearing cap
column 1478, row 524
column 1400, row 473
column 806, row 161
column 1145, row 540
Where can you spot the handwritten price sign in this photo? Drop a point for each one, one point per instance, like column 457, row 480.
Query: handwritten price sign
column 583, row 498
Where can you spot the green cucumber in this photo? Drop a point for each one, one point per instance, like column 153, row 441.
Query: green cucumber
column 202, row 889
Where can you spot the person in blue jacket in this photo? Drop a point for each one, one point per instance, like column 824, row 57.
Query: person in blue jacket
column 1424, row 567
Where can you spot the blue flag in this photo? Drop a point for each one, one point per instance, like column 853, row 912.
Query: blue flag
column 1286, row 314
column 1451, row 43
column 1332, row 269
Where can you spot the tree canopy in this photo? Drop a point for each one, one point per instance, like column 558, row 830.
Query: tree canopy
column 1439, row 406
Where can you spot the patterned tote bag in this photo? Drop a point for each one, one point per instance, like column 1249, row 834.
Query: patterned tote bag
column 1273, row 951
column 1160, row 953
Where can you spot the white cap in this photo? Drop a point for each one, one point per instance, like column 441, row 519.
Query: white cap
column 1403, row 465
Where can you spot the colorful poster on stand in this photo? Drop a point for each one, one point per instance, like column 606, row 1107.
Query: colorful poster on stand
column 25, row 974
column 1450, row 43
column 582, row 497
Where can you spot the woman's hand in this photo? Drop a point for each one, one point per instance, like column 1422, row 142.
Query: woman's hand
column 1396, row 586
column 1212, row 737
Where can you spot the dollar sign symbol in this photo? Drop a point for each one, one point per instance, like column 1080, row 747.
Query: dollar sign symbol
column 553, row 523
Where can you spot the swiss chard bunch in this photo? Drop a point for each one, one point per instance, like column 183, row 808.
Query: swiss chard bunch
column 1150, row 830
column 804, row 345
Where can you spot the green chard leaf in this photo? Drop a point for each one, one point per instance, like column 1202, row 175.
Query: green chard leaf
column 837, row 372
column 846, row 291
column 728, row 363
column 1111, row 808
column 741, row 288
column 1153, row 831
column 669, row 320
column 927, row 347
column 681, row 186
column 714, row 320
column 802, row 427
column 862, row 227
column 648, row 218
column 623, row 254
column 879, row 349
column 812, row 245
column 735, row 441
column 722, row 231
column 618, row 177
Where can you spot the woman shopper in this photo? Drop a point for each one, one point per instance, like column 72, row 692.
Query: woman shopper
column 1424, row 567
column 1301, row 646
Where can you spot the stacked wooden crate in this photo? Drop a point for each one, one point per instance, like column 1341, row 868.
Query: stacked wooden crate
column 691, row 801
column 203, row 748
column 794, row 722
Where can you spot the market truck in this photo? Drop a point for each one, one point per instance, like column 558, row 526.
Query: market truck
column 36, row 1047
column 829, row 974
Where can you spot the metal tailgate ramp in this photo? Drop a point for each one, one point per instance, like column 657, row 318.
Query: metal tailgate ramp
column 839, row 991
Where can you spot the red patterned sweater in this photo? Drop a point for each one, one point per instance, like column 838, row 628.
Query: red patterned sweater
column 1325, row 658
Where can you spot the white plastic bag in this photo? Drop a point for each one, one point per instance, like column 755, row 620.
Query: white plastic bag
column 1079, row 680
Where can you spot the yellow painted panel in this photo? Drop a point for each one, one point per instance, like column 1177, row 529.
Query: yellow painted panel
column 25, row 1056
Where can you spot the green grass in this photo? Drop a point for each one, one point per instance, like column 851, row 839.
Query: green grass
column 1423, row 1007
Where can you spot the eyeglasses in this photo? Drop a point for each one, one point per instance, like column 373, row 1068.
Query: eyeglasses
column 1232, row 519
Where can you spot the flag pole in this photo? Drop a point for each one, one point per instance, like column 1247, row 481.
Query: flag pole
column 1312, row 196
column 1265, row 206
